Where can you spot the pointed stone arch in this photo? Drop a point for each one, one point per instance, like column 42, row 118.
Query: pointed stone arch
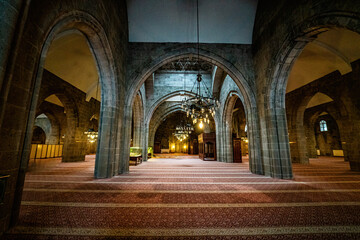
column 159, row 55
column 277, row 152
column 100, row 48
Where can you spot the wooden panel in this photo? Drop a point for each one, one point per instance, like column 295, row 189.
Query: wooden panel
column 48, row 151
column 61, row 150
column 57, row 147
column 237, row 150
column 44, row 151
column 157, row 147
column 52, row 152
column 38, row 151
column 33, row 151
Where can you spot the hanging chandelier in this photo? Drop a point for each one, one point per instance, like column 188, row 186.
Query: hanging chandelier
column 183, row 131
column 200, row 107
column 92, row 135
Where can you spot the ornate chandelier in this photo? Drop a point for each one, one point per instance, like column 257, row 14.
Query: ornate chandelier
column 183, row 131
column 92, row 135
column 200, row 107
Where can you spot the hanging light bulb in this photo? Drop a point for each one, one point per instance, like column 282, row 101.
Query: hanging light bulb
column 201, row 125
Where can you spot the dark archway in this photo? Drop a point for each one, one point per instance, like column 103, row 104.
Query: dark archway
column 39, row 136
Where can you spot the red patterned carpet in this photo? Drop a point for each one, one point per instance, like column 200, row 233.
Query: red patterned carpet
column 182, row 197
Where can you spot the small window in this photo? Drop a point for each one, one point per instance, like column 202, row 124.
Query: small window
column 245, row 127
column 323, row 126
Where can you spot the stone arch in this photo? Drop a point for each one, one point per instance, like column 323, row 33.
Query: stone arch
column 156, row 104
column 40, row 133
column 138, row 118
column 332, row 132
column 143, row 71
column 72, row 123
column 255, row 163
column 279, row 70
column 227, row 126
column 155, row 123
column 296, row 128
column 297, row 123
column 152, row 110
column 310, row 120
column 219, row 76
column 100, row 48
column 53, row 131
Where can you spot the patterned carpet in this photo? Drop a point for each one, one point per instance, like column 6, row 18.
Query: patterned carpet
column 182, row 197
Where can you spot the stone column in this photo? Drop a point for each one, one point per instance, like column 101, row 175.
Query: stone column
column 350, row 135
column 106, row 154
column 145, row 138
column 311, row 141
column 75, row 144
column 277, row 161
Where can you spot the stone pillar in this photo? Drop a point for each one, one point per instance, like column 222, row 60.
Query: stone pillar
column 311, row 141
column 108, row 145
column 219, row 139
column 297, row 138
column 9, row 11
column 138, row 134
column 276, row 149
column 350, row 135
column 75, row 144
column 228, row 147
column 254, row 144
column 125, row 143
column 145, row 138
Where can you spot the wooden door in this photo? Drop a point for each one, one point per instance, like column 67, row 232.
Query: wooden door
column 157, row 147
column 237, row 150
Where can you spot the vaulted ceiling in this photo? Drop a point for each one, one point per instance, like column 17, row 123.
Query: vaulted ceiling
column 330, row 51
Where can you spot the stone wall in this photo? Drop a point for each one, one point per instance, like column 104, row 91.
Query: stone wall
column 36, row 23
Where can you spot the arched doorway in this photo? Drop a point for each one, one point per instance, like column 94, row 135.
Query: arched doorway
column 96, row 45
column 234, row 124
column 323, row 64
column 39, row 136
column 256, row 165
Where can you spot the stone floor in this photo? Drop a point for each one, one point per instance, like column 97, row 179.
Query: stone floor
column 182, row 197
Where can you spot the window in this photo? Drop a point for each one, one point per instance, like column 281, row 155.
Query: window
column 323, row 126
column 245, row 127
